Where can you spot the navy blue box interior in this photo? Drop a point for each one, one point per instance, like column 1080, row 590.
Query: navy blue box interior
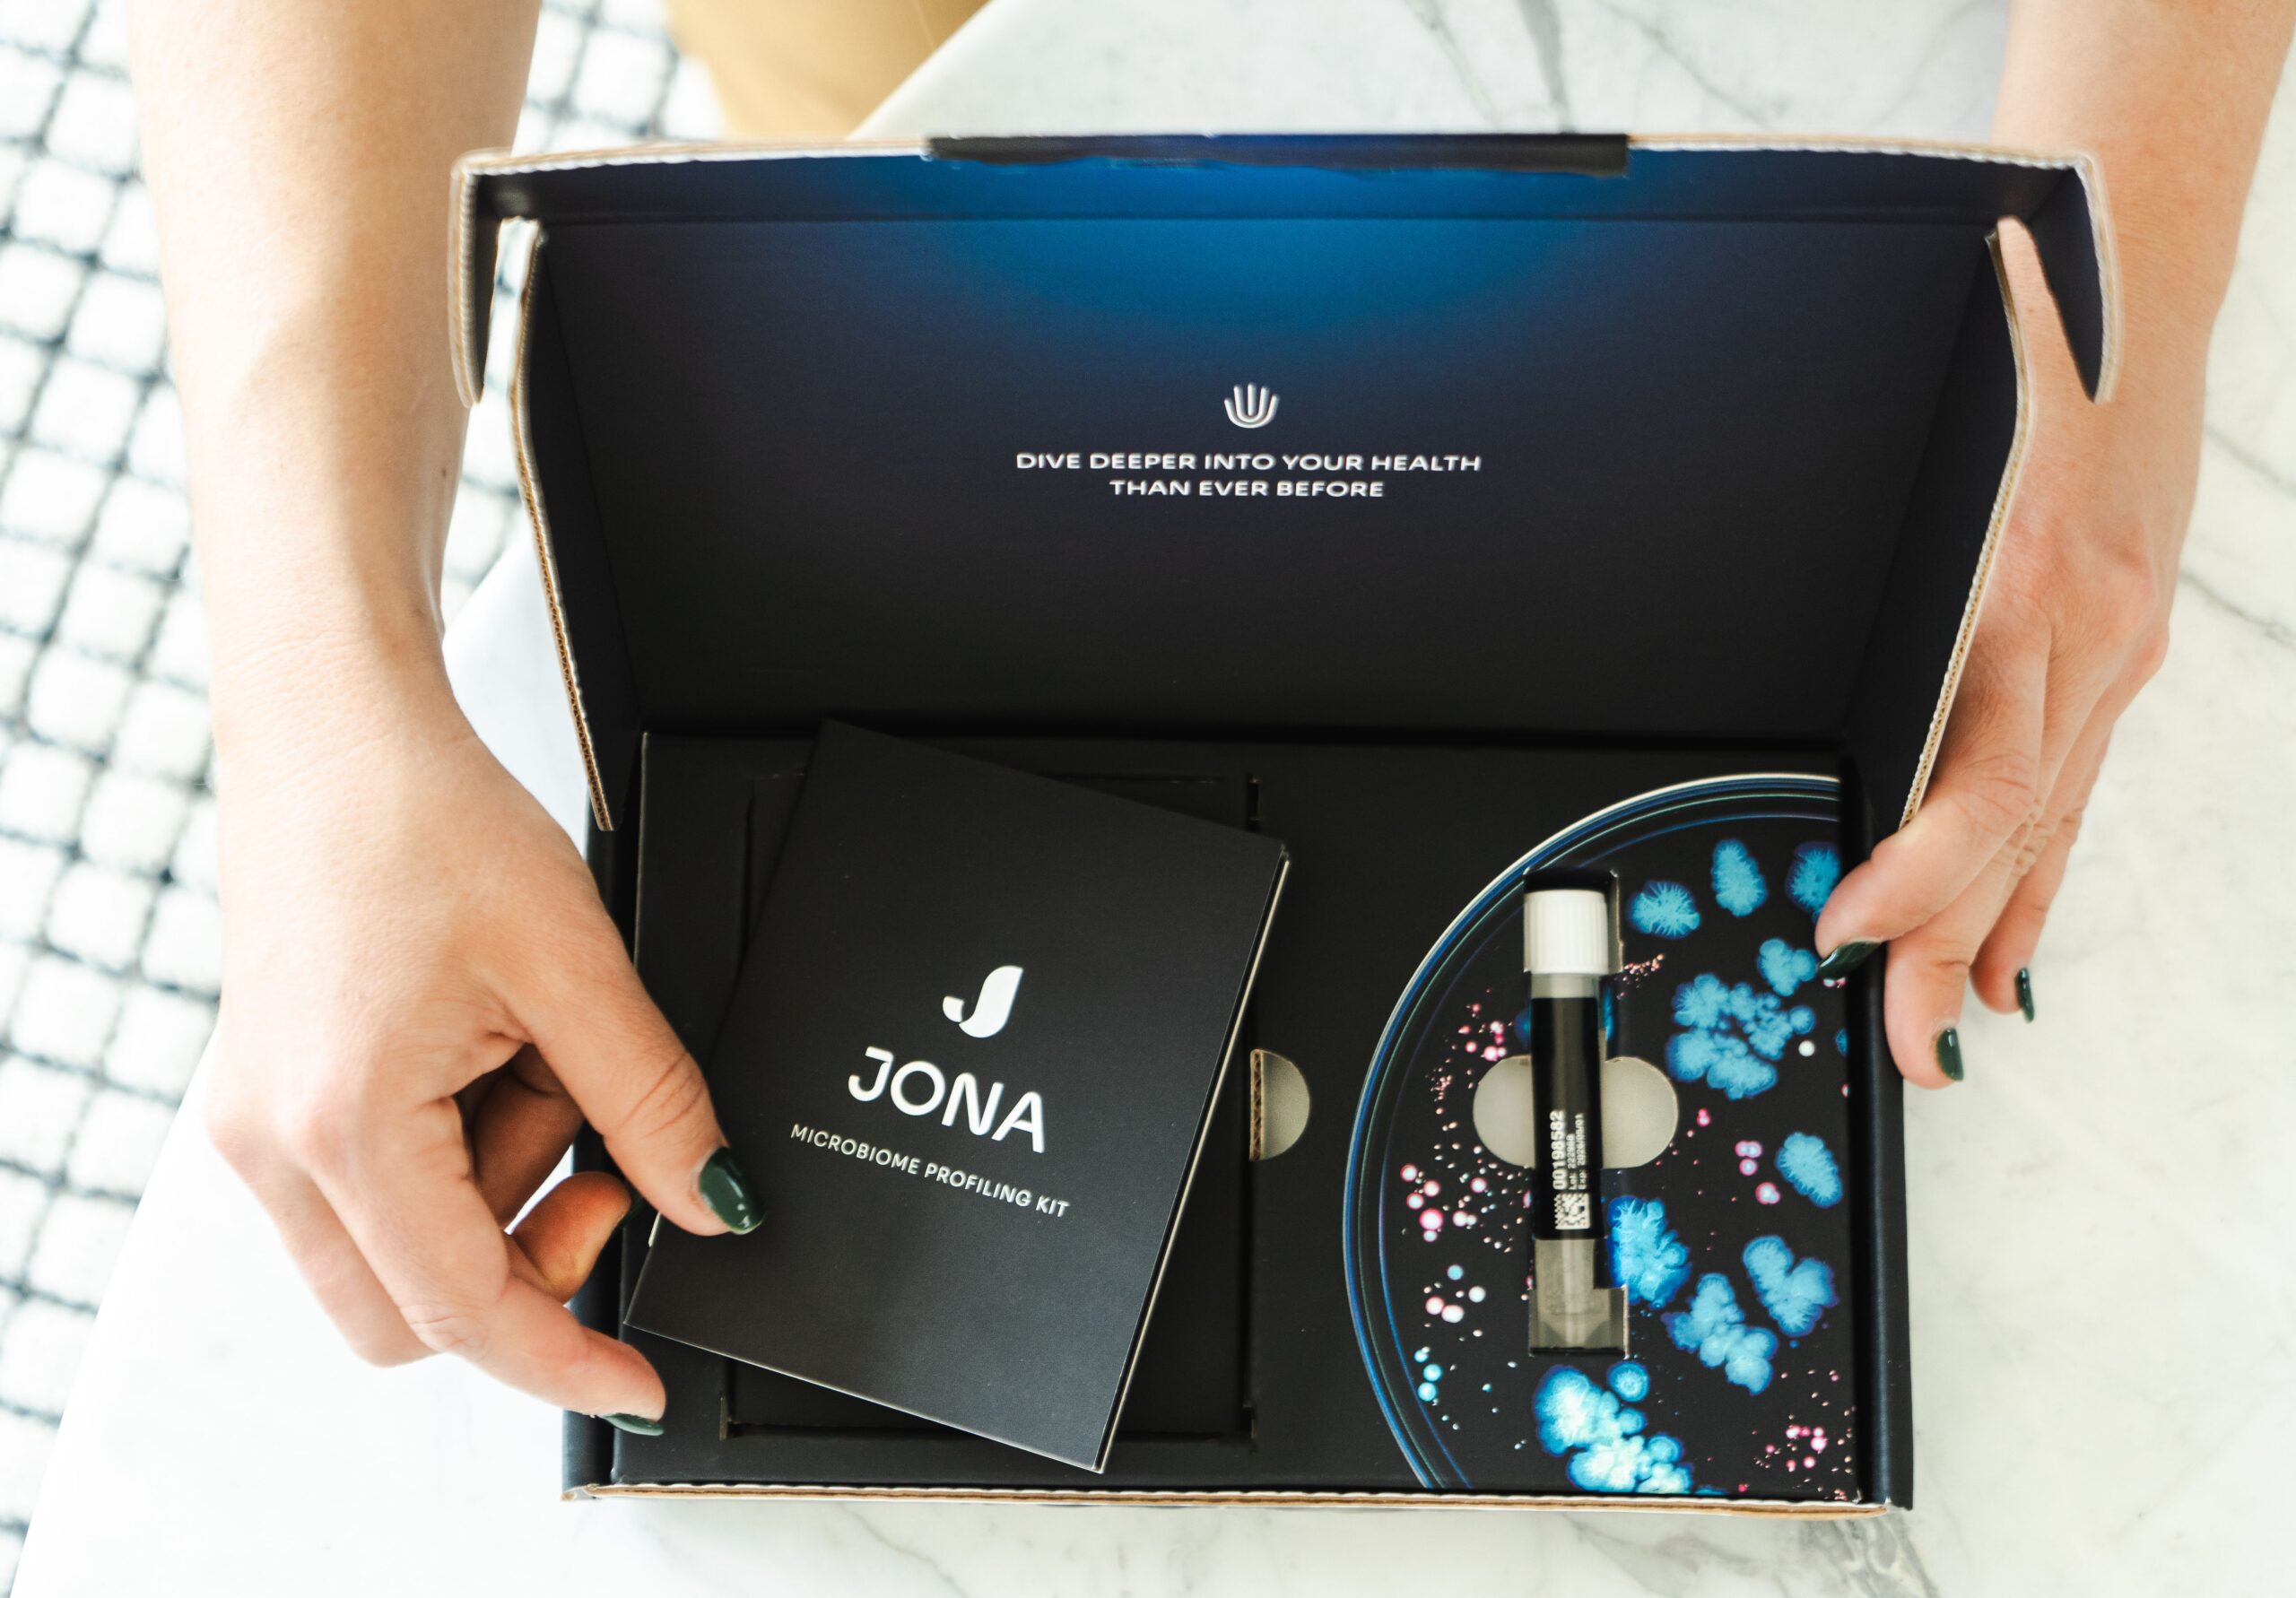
column 1741, row 421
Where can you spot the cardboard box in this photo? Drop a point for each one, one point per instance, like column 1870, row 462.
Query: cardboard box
column 1410, row 498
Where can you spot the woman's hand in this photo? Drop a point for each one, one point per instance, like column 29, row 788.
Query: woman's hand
column 423, row 999
column 2075, row 621
column 2170, row 103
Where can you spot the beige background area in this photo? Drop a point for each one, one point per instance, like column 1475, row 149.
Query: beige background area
column 809, row 69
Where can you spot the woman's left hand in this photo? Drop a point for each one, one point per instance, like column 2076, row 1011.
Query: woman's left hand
column 2075, row 621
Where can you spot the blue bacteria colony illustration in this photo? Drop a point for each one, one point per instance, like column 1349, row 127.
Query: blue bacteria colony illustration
column 1733, row 1247
column 1817, row 867
column 1809, row 1169
column 1605, row 1438
column 1794, row 1293
column 1784, row 966
column 1664, row 910
column 1646, row 1258
column 1732, row 1034
column 1715, row 1329
column 1739, row 887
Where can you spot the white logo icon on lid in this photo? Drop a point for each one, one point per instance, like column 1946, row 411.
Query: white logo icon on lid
column 1250, row 405
column 991, row 1009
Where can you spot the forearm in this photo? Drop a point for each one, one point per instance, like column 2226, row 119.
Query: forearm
column 2172, row 98
column 298, row 154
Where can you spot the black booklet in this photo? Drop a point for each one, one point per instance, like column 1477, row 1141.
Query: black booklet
column 968, row 1070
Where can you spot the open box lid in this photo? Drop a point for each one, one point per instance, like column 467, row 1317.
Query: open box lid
column 1640, row 438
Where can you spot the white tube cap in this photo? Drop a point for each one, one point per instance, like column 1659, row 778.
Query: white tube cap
column 1567, row 933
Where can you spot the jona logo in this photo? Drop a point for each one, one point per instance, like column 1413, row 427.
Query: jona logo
column 920, row 1088
column 991, row 1009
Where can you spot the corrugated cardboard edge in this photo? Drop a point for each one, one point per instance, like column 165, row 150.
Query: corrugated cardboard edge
column 2085, row 167
column 1256, row 1142
column 2004, row 496
column 2101, row 232
column 538, row 520
column 1766, row 1508
column 468, row 232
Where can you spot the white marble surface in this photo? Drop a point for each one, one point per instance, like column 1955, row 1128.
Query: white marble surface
column 2106, row 1387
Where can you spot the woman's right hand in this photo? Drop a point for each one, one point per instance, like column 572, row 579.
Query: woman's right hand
column 423, row 1000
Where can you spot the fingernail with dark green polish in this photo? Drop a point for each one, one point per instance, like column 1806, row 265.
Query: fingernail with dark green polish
column 1949, row 1054
column 1845, row 960
column 639, row 1424
column 2025, row 991
column 727, row 1193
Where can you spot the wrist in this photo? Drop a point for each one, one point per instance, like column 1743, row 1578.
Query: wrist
column 320, row 506
column 326, row 680
column 2173, row 169
column 2165, row 318
column 2173, row 269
